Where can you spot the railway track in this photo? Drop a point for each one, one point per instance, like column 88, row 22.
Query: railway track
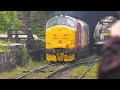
column 40, row 69
column 35, row 70
column 49, row 70
column 77, row 63
column 87, row 70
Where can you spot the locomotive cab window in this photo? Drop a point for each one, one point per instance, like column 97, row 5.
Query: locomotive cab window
column 65, row 21
column 51, row 23
column 60, row 21
column 70, row 23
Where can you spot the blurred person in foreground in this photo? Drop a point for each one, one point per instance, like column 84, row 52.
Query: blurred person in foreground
column 109, row 67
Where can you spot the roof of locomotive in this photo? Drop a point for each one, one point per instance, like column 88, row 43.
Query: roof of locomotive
column 78, row 20
column 51, row 19
column 107, row 19
column 82, row 23
column 72, row 18
column 62, row 16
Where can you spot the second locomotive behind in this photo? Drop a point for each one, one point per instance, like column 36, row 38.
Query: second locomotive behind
column 102, row 33
column 67, row 39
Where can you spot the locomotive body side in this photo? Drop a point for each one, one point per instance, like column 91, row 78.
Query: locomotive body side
column 82, row 46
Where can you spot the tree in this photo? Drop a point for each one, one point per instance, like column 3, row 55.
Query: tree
column 24, row 16
column 35, row 20
column 9, row 19
column 39, row 19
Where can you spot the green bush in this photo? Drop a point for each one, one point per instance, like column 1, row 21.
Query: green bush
column 9, row 19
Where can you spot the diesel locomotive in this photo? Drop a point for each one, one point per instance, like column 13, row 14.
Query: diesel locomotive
column 67, row 39
column 102, row 32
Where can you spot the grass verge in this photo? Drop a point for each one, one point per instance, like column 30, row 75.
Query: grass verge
column 92, row 74
column 77, row 71
column 21, row 70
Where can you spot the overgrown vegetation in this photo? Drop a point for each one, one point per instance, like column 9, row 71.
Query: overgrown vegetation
column 8, row 19
column 33, row 19
column 2, row 47
column 77, row 72
column 92, row 74
column 38, row 21
column 21, row 70
column 24, row 55
column 44, row 73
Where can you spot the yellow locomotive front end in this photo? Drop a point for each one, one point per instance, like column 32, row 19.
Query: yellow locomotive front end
column 60, row 39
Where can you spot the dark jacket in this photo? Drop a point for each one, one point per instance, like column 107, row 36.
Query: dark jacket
column 109, row 67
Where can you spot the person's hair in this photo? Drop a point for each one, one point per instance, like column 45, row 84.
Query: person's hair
column 109, row 67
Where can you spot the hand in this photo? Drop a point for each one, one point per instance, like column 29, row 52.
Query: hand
column 115, row 29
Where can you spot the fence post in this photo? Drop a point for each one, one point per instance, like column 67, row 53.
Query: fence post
column 9, row 34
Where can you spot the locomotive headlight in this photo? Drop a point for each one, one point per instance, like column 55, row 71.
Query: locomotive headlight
column 69, row 31
column 49, row 30
column 101, row 37
column 49, row 42
column 72, row 42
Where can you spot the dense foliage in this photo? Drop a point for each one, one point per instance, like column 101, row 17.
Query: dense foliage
column 33, row 19
column 39, row 19
column 8, row 19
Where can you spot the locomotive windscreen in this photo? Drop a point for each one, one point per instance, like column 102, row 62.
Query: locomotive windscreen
column 60, row 21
